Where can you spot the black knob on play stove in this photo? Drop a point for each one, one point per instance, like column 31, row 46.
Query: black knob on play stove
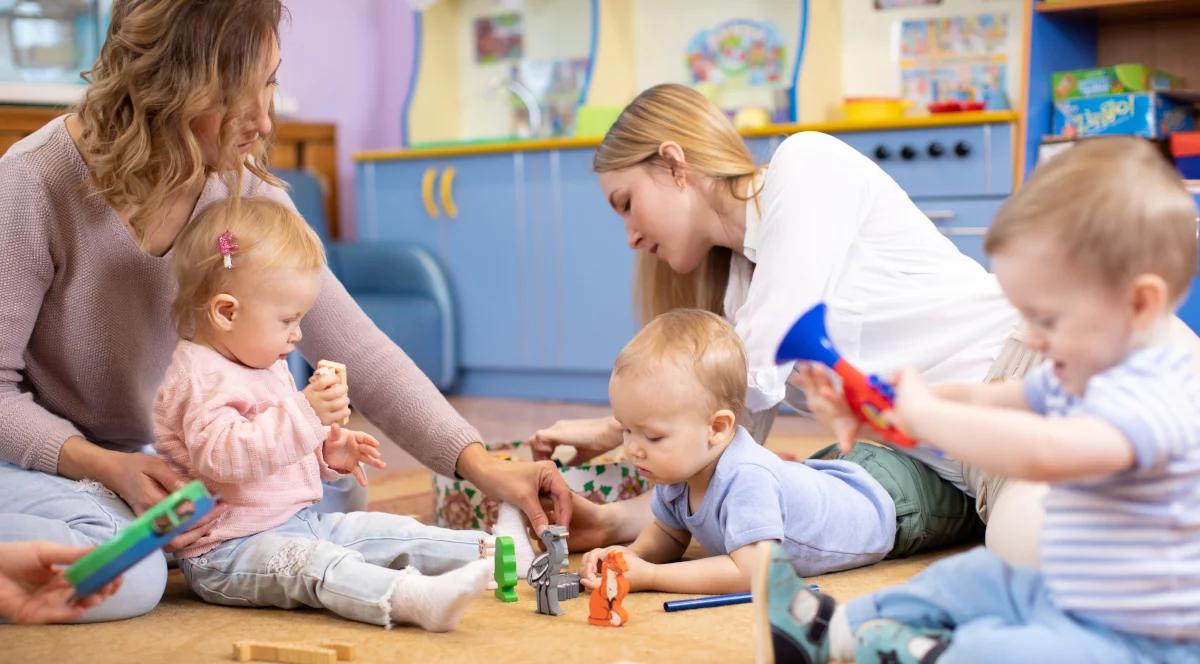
column 935, row 150
column 908, row 153
column 882, row 153
column 962, row 148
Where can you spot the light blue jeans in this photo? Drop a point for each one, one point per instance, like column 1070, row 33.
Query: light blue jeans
column 1003, row 613
column 347, row 563
column 34, row 505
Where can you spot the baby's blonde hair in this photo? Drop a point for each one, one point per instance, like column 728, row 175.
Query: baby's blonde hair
column 697, row 341
column 268, row 235
column 1113, row 207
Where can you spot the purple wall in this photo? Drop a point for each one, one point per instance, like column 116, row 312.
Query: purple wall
column 349, row 62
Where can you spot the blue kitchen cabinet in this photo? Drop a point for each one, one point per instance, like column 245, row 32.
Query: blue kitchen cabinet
column 463, row 210
column 594, row 265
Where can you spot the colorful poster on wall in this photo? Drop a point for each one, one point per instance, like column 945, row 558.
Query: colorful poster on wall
column 498, row 38
column 893, row 4
column 737, row 52
column 953, row 58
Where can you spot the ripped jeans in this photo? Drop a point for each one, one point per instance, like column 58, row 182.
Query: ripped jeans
column 347, row 563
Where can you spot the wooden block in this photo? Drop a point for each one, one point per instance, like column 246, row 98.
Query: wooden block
column 291, row 653
column 261, row 651
column 339, row 369
column 346, row 651
column 301, row 654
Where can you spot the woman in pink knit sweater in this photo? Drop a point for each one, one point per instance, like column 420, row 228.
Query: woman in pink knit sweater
column 228, row 412
column 177, row 116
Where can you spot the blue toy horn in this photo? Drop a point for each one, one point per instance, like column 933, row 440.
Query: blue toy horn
column 808, row 340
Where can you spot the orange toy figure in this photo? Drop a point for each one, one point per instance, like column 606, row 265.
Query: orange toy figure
column 604, row 608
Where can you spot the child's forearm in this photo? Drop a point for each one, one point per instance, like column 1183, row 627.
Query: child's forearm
column 1009, row 394
column 228, row 447
column 706, row 576
column 1022, row 444
column 658, row 544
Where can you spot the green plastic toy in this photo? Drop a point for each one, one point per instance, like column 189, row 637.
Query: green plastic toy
column 506, row 569
column 152, row 530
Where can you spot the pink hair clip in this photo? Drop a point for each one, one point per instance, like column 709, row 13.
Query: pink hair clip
column 226, row 244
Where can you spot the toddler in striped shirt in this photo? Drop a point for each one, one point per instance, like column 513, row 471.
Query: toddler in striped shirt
column 228, row 413
column 1096, row 251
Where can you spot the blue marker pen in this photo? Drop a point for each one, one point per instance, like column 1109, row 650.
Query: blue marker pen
column 713, row 600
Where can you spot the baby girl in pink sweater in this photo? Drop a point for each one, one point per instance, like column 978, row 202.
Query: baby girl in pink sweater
column 228, row 413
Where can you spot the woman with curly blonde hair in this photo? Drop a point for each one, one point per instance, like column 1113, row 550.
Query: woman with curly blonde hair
column 177, row 115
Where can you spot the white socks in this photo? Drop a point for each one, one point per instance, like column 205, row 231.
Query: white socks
column 841, row 639
column 510, row 522
column 435, row 603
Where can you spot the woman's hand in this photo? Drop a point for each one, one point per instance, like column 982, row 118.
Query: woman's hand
column 34, row 588
column 518, row 482
column 640, row 574
column 142, row 481
column 827, row 404
column 328, row 397
column 590, row 438
column 344, row 449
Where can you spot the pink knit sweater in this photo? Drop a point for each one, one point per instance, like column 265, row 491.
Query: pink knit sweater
column 249, row 434
column 86, row 333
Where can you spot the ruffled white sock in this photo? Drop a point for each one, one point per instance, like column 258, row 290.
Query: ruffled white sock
column 510, row 522
column 435, row 603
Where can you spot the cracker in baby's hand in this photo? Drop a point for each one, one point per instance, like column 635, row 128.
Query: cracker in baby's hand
column 340, row 370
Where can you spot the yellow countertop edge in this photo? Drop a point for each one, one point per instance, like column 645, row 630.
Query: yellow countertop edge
column 918, row 122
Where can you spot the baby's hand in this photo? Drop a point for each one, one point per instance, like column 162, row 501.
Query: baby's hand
column 640, row 575
column 328, row 396
column 827, row 404
column 344, row 449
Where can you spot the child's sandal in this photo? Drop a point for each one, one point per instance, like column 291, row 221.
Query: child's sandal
column 780, row 637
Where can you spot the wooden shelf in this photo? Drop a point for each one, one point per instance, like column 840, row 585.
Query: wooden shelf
column 1122, row 9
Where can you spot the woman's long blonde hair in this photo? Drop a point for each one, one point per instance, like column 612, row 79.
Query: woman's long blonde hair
column 164, row 63
column 712, row 147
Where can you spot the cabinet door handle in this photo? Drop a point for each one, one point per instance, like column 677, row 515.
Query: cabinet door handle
column 940, row 215
column 971, row 231
column 427, row 179
column 448, row 193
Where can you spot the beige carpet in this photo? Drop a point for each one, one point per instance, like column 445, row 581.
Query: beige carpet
column 183, row 629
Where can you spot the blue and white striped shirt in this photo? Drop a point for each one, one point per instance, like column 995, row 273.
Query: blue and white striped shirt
column 1124, row 550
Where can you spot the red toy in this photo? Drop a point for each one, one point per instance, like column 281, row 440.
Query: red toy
column 868, row 396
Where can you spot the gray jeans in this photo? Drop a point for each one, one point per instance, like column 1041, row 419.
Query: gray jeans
column 35, row 505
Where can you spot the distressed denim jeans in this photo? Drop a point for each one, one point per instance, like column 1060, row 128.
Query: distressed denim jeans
column 347, row 563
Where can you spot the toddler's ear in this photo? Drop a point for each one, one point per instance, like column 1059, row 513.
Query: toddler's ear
column 722, row 427
column 1149, row 299
column 222, row 310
